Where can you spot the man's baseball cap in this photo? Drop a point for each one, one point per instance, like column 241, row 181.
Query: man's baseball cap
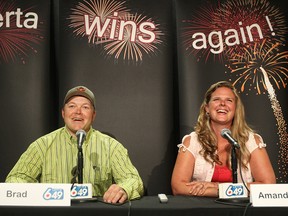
column 80, row 91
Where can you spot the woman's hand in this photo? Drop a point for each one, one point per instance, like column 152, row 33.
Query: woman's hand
column 199, row 188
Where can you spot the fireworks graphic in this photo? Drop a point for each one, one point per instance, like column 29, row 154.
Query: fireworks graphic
column 100, row 8
column 238, row 23
column 248, row 69
column 261, row 69
column 132, row 50
column 201, row 21
column 129, row 47
column 241, row 14
column 17, row 43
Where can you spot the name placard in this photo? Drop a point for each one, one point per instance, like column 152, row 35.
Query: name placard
column 269, row 195
column 81, row 191
column 35, row 194
column 232, row 190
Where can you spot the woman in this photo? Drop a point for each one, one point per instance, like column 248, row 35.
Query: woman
column 203, row 159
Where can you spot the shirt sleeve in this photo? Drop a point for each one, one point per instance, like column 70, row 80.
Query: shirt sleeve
column 252, row 144
column 125, row 174
column 194, row 146
column 28, row 167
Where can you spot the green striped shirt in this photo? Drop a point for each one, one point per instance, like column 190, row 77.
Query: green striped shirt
column 53, row 157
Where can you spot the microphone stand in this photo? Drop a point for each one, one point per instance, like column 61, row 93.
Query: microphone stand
column 234, row 164
column 80, row 176
column 80, row 165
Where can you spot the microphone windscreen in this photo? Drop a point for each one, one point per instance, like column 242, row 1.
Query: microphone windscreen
column 79, row 132
column 225, row 131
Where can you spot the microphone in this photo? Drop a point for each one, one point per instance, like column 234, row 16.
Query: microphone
column 81, row 134
column 79, row 191
column 226, row 133
column 232, row 192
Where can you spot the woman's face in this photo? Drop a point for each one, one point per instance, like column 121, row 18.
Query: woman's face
column 221, row 106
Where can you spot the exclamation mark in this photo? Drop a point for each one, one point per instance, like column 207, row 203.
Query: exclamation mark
column 269, row 24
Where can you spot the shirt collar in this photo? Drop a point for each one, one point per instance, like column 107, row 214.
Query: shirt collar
column 73, row 139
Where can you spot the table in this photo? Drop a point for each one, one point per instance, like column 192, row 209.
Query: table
column 148, row 206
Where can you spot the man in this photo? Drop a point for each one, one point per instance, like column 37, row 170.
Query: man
column 53, row 157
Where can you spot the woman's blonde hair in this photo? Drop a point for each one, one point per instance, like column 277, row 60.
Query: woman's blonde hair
column 239, row 128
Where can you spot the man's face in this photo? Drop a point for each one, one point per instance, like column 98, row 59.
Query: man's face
column 78, row 113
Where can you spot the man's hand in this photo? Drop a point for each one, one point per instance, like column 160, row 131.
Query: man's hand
column 115, row 194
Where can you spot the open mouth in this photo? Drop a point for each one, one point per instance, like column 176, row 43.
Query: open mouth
column 77, row 119
column 222, row 111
